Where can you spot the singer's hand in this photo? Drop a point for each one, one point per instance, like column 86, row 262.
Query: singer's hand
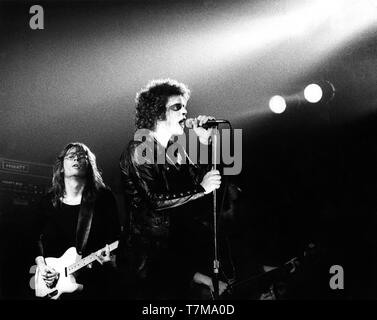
column 202, row 133
column 201, row 278
column 211, row 181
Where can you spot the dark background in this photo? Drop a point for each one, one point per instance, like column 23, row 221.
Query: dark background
column 309, row 174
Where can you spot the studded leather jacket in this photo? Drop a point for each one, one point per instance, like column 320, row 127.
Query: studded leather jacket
column 155, row 186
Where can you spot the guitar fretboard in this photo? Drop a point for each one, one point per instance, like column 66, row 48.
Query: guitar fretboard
column 88, row 259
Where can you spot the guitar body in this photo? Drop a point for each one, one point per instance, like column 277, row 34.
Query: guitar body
column 66, row 266
column 66, row 282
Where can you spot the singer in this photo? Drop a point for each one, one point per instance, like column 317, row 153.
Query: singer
column 165, row 201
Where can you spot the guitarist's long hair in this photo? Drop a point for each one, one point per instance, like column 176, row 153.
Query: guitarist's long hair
column 94, row 181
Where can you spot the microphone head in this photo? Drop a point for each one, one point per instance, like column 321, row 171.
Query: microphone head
column 189, row 123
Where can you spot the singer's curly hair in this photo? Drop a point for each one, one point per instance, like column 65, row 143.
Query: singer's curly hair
column 151, row 101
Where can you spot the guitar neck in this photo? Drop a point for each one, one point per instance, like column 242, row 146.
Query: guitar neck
column 262, row 279
column 89, row 259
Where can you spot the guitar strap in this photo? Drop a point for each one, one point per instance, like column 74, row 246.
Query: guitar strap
column 83, row 227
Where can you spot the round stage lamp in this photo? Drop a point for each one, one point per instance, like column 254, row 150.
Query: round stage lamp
column 313, row 93
column 277, row 104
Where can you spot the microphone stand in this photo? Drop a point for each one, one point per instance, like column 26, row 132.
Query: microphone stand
column 216, row 263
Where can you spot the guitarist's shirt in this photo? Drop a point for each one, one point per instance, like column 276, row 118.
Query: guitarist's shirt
column 56, row 232
column 59, row 232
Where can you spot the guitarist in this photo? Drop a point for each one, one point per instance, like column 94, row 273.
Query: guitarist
column 79, row 211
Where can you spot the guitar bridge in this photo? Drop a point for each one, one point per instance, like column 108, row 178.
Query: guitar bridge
column 51, row 294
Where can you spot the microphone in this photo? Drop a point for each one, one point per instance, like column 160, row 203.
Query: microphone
column 189, row 123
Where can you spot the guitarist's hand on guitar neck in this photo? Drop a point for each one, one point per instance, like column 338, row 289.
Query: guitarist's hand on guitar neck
column 103, row 255
column 49, row 275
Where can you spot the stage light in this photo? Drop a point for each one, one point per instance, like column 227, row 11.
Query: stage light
column 320, row 91
column 277, row 104
column 313, row 93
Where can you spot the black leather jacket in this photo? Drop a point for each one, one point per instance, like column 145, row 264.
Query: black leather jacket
column 153, row 189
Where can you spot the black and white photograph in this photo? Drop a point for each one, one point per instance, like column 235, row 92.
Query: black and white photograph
column 188, row 155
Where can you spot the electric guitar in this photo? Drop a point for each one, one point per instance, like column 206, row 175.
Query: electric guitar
column 66, row 266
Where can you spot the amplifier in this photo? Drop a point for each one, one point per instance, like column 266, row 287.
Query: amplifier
column 21, row 186
column 22, row 183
